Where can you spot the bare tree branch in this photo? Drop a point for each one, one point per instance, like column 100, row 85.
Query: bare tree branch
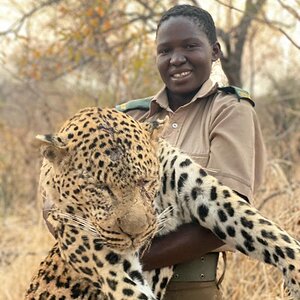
column 271, row 23
column 15, row 27
column 255, row 18
column 292, row 11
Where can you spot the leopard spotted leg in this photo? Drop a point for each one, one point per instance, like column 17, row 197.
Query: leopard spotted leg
column 200, row 196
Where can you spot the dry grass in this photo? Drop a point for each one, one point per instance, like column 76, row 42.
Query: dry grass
column 23, row 244
column 24, row 241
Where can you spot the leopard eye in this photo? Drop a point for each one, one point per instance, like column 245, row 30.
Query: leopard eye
column 101, row 185
column 143, row 182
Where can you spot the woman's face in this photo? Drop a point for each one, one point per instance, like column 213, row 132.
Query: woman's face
column 184, row 55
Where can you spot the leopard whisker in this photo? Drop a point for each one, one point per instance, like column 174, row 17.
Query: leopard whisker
column 77, row 218
column 81, row 222
column 84, row 227
column 165, row 212
column 163, row 218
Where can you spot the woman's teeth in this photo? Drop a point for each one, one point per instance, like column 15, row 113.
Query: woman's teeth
column 180, row 75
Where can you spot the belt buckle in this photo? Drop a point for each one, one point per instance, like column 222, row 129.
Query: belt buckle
column 203, row 269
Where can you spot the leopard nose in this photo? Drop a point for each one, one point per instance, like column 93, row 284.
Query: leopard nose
column 133, row 224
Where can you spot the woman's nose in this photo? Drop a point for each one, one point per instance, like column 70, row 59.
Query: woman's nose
column 177, row 58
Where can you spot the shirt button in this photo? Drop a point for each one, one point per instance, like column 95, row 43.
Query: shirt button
column 174, row 125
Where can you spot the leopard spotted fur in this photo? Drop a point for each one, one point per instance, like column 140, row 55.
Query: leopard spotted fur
column 111, row 181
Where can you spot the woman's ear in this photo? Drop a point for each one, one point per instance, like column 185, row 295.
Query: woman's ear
column 216, row 51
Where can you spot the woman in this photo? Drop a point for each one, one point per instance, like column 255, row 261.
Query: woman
column 218, row 127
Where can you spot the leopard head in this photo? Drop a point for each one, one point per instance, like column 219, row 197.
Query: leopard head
column 102, row 172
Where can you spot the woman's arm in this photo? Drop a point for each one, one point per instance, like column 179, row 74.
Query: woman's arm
column 188, row 242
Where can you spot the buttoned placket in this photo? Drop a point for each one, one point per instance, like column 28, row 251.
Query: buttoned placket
column 174, row 125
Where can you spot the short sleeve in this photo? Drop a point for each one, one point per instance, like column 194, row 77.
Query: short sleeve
column 137, row 114
column 237, row 152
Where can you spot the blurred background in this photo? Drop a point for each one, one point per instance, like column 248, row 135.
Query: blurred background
column 57, row 56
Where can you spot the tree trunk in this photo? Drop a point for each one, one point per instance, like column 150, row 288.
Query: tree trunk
column 234, row 41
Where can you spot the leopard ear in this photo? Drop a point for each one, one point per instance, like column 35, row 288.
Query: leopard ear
column 52, row 148
column 157, row 127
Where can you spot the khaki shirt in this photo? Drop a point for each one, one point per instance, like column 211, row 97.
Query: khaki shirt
column 219, row 131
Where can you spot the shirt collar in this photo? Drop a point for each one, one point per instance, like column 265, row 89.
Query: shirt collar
column 160, row 100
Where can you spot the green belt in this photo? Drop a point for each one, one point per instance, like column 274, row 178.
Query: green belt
column 202, row 269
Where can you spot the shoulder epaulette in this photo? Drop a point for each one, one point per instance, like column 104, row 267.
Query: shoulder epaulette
column 240, row 93
column 143, row 104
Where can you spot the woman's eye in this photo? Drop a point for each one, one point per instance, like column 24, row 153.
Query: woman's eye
column 190, row 46
column 163, row 51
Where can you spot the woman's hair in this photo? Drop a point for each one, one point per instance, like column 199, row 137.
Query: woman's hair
column 199, row 16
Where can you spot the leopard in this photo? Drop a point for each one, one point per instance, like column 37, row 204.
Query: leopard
column 116, row 184
column 101, row 171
